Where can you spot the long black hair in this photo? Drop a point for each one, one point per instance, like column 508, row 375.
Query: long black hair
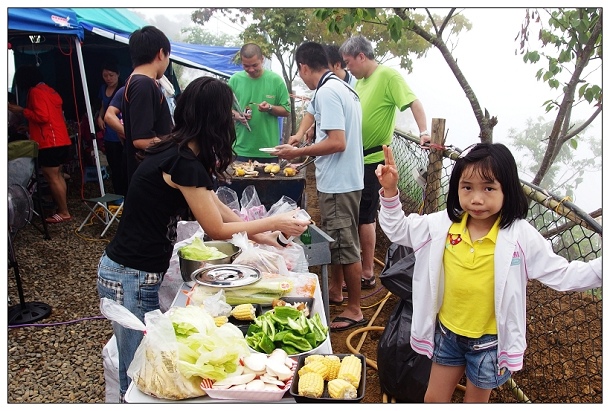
column 490, row 161
column 203, row 114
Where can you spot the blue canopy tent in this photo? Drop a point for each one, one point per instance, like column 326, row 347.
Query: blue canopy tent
column 51, row 37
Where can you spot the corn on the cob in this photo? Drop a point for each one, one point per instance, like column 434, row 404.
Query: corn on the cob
column 333, row 363
column 244, row 312
column 350, row 370
column 220, row 320
column 315, row 366
column 342, row 389
column 313, row 357
column 311, row 384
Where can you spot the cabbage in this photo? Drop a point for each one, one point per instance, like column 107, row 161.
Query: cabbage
column 205, row 350
column 198, row 251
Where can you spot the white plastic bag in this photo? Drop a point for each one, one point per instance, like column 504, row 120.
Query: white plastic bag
column 254, row 255
column 154, row 368
column 251, row 206
column 228, row 197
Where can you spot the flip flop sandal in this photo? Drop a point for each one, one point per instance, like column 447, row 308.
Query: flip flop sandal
column 350, row 323
column 56, row 218
column 367, row 283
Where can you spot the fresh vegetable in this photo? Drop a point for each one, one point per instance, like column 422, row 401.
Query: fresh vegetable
column 204, row 349
column 244, row 312
column 311, row 385
column 351, row 369
column 286, row 328
column 341, row 389
column 268, row 288
column 198, row 251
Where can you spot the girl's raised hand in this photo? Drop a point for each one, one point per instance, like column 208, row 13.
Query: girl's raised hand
column 387, row 174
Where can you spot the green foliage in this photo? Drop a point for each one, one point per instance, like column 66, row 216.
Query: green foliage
column 563, row 42
column 199, row 35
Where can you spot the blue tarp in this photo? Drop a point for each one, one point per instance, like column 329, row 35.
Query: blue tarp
column 118, row 24
column 45, row 20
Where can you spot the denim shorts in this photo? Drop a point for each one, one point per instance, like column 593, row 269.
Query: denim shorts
column 479, row 355
column 136, row 290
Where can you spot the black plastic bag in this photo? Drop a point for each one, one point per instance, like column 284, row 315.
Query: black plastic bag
column 403, row 373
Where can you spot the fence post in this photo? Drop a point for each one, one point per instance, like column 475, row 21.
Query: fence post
column 435, row 167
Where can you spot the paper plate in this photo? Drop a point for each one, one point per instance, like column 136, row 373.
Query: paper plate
column 226, row 275
column 267, row 149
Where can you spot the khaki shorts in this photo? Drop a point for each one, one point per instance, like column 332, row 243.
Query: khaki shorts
column 339, row 215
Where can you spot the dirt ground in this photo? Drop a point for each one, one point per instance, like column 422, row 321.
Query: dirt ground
column 578, row 378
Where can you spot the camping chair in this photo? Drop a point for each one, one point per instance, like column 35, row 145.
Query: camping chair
column 98, row 205
column 23, row 170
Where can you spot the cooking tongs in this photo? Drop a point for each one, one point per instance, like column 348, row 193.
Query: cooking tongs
column 284, row 162
column 237, row 108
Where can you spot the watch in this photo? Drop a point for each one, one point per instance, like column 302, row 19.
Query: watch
column 270, row 108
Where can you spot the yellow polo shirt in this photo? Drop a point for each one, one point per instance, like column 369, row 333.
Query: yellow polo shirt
column 468, row 299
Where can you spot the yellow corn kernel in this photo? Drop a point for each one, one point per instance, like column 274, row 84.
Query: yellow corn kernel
column 333, row 363
column 350, row 370
column 289, row 172
column 311, row 384
column 315, row 366
column 342, row 389
column 244, row 312
column 313, row 357
column 220, row 320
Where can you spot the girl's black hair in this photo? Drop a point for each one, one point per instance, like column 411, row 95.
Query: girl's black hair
column 490, row 161
column 203, row 113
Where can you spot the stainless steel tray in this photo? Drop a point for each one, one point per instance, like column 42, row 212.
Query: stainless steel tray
column 226, row 275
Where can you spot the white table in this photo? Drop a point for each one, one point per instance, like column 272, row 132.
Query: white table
column 134, row 395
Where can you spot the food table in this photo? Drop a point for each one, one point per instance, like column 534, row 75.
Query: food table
column 270, row 188
column 134, row 395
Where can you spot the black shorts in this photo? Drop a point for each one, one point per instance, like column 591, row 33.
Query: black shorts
column 53, row 156
column 369, row 203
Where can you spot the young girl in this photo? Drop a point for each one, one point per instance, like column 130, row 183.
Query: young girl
column 473, row 263
column 176, row 175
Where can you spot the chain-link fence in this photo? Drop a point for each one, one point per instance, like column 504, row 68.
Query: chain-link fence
column 563, row 361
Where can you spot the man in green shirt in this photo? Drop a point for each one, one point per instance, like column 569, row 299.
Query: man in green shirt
column 382, row 90
column 263, row 97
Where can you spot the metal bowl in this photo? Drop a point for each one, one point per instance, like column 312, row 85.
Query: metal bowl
column 187, row 267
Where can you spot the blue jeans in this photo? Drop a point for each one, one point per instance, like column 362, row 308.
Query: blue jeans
column 479, row 355
column 136, row 290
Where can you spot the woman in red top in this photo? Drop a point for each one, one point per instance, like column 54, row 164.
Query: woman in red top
column 48, row 128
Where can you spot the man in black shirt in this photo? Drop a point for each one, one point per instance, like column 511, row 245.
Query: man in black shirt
column 146, row 114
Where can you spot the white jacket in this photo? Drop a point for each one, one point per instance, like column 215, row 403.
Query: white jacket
column 522, row 254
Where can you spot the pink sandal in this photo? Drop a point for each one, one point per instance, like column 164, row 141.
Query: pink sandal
column 56, row 218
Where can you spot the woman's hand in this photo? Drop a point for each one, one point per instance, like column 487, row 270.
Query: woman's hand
column 267, row 238
column 387, row 174
column 288, row 224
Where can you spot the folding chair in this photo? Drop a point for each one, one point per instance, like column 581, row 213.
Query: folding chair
column 23, row 170
column 99, row 204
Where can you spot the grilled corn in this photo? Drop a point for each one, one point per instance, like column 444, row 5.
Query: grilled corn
column 350, row 370
column 311, row 384
column 244, row 312
column 342, row 389
column 289, row 172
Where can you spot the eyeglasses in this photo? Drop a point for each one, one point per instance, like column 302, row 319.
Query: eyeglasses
column 467, row 150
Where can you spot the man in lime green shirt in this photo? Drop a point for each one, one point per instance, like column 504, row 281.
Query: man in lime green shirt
column 263, row 97
column 382, row 90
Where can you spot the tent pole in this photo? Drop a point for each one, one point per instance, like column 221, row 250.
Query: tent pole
column 83, row 77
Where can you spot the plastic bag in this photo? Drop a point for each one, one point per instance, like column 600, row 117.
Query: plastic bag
column 154, row 368
column 229, row 198
column 251, row 206
column 294, row 256
column 282, row 205
column 403, row 373
column 254, row 255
